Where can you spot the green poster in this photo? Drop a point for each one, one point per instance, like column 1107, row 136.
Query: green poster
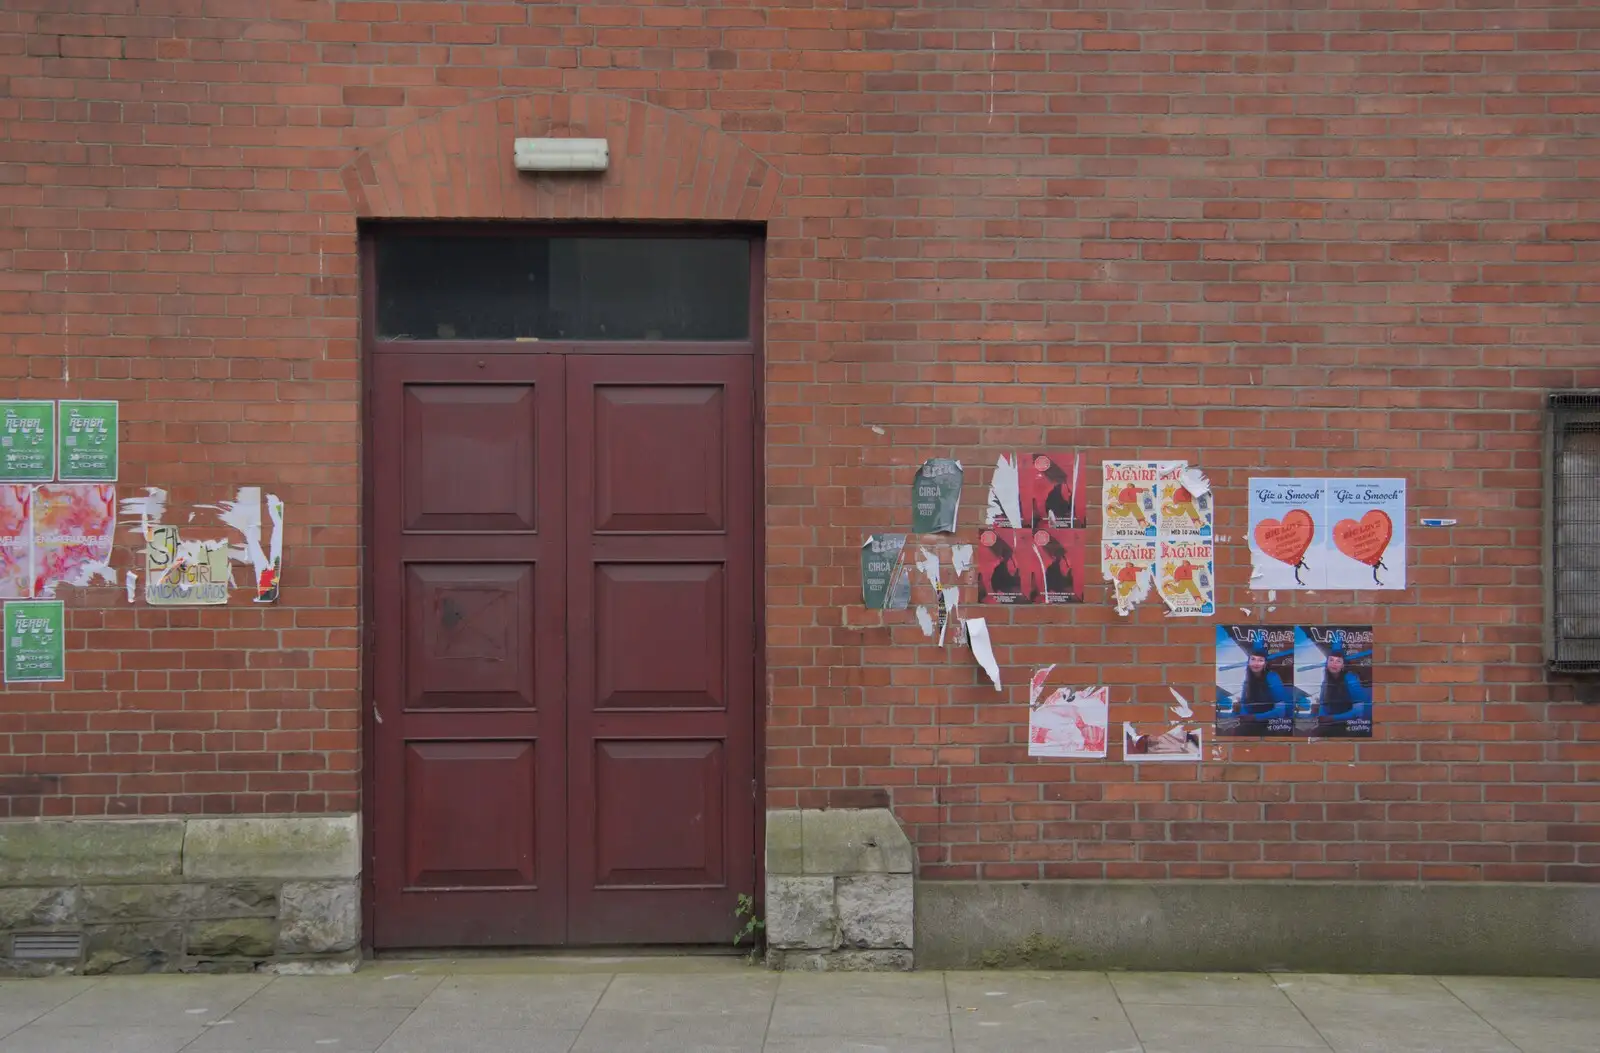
column 881, row 573
column 88, row 441
column 35, row 641
column 27, row 442
column 936, row 497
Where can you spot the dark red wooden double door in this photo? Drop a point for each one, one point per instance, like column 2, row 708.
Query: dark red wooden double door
column 564, row 630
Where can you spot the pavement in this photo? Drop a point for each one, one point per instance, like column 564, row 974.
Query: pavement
column 706, row 1005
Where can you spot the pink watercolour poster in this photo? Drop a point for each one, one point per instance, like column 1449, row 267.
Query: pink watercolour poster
column 16, row 541
column 73, row 528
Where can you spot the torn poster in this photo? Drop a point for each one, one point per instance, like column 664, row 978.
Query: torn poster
column 1036, row 684
column 1367, row 519
column 243, row 514
column 925, row 621
column 73, row 528
column 1005, row 501
column 1255, row 683
column 977, row 631
column 1183, row 503
column 270, row 578
column 1130, row 566
column 1186, row 576
column 1333, row 666
column 1061, row 559
column 16, row 541
column 949, row 605
column 1128, row 499
column 880, row 566
column 1051, row 490
column 185, row 573
column 1328, row 533
column 35, row 641
column 1070, row 724
column 1177, row 743
column 960, row 558
column 936, row 497
column 1008, row 567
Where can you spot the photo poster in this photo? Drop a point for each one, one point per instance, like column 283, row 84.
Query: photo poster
column 1180, row 743
column 1294, row 681
column 885, row 585
column 16, row 541
column 1328, row 533
column 73, row 525
column 1070, row 724
column 936, row 496
column 1043, row 559
column 1038, row 566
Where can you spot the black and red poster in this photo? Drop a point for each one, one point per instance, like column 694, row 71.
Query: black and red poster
column 1042, row 561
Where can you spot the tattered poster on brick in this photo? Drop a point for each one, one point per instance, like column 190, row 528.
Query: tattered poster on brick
column 178, row 573
column 1009, row 571
column 243, row 514
column 1130, row 567
column 881, row 572
column 977, row 631
column 1183, row 503
column 1004, row 508
column 1186, row 576
column 1178, row 743
column 16, row 541
column 936, row 497
column 1128, row 499
column 1060, row 553
column 1070, row 724
column 1050, row 488
column 73, row 528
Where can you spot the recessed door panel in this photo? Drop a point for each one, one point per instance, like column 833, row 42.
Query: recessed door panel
column 468, row 448
column 467, row 625
column 658, row 813
column 660, row 635
column 659, row 457
column 457, row 794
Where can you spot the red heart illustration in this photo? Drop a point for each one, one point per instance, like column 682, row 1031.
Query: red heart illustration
column 1364, row 541
column 1286, row 540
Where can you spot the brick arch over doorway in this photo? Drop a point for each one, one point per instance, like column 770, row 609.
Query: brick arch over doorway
column 664, row 166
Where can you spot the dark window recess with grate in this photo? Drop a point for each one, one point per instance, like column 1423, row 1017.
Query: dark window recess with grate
column 1573, row 533
column 47, row 946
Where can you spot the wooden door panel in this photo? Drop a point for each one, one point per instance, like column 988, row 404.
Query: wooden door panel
column 469, row 663
column 675, row 612
column 660, row 530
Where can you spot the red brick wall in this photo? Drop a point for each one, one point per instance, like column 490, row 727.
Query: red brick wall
column 1347, row 238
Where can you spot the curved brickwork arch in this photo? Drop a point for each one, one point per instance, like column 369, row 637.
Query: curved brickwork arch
column 458, row 165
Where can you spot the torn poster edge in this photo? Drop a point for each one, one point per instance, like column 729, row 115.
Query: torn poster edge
column 978, row 638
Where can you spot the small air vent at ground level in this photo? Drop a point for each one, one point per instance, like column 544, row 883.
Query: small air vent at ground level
column 47, row 946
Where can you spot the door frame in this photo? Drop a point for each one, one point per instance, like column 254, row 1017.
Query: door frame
column 370, row 345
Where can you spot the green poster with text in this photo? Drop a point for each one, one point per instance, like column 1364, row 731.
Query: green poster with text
column 27, row 442
column 88, row 441
column 35, row 641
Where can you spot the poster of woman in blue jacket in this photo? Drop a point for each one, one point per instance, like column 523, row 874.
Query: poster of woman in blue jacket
column 1334, row 665
column 1255, row 681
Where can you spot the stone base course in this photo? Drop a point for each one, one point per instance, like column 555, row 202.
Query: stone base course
column 215, row 895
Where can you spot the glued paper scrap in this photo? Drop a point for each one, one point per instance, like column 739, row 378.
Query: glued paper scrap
column 978, row 637
column 936, row 497
column 1005, row 500
column 1177, row 743
column 960, row 558
column 16, row 541
column 185, row 573
column 1186, row 577
column 880, row 567
column 949, row 602
column 1294, row 681
column 1183, row 504
column 925, row 622
column 270, row 578
column 1328, row 533
column 73, row 528
column 1036, row 684
column 1070, row 724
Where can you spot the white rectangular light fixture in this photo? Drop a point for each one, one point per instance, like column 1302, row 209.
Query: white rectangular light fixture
column 562, row 155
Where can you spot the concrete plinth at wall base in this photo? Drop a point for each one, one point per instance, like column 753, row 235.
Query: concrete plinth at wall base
column 206, row 895
column 1467, row 928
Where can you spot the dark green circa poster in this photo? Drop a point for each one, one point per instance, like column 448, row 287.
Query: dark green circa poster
column 883, row 580
column 936, row 497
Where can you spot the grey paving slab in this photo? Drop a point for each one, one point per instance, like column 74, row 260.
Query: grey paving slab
column 42, row 995
column 156, row 1001
column 1235, row 989
column 1066, row 1012
column 358, row 1031
column 427, row 1039
column 737, row 994
column 1539, row 1034
column 324, row 994
column 854, row 1044
column 1378, row 1037
column 490, row 1003
column 1525, row 996
column 900, row 1005
column 1365, row 1009
column 616, row 1030
column 39, row 1039
column 1178, row 1026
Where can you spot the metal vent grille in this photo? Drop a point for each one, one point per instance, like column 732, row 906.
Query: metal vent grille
column 54, row 946
column 1573, row 533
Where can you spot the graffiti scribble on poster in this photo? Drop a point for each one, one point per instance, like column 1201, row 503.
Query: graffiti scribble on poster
column 1070, row 724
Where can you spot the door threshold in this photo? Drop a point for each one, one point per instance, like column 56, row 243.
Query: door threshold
column 513, row 961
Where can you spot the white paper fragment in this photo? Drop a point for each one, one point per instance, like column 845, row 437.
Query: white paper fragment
column 925, row 620
column 1272, row 595
column 1182, row 709
column 1195, row 481
column 952, row 600
column 1036, row 684
column 1005, row 501
column 1246, row 610
column 961, row 558
column 878, row 431
column 928, row 563
column 243, row 513
column 147, row 509
column 1142, row 585
column 978, row 637
column 133, row 587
